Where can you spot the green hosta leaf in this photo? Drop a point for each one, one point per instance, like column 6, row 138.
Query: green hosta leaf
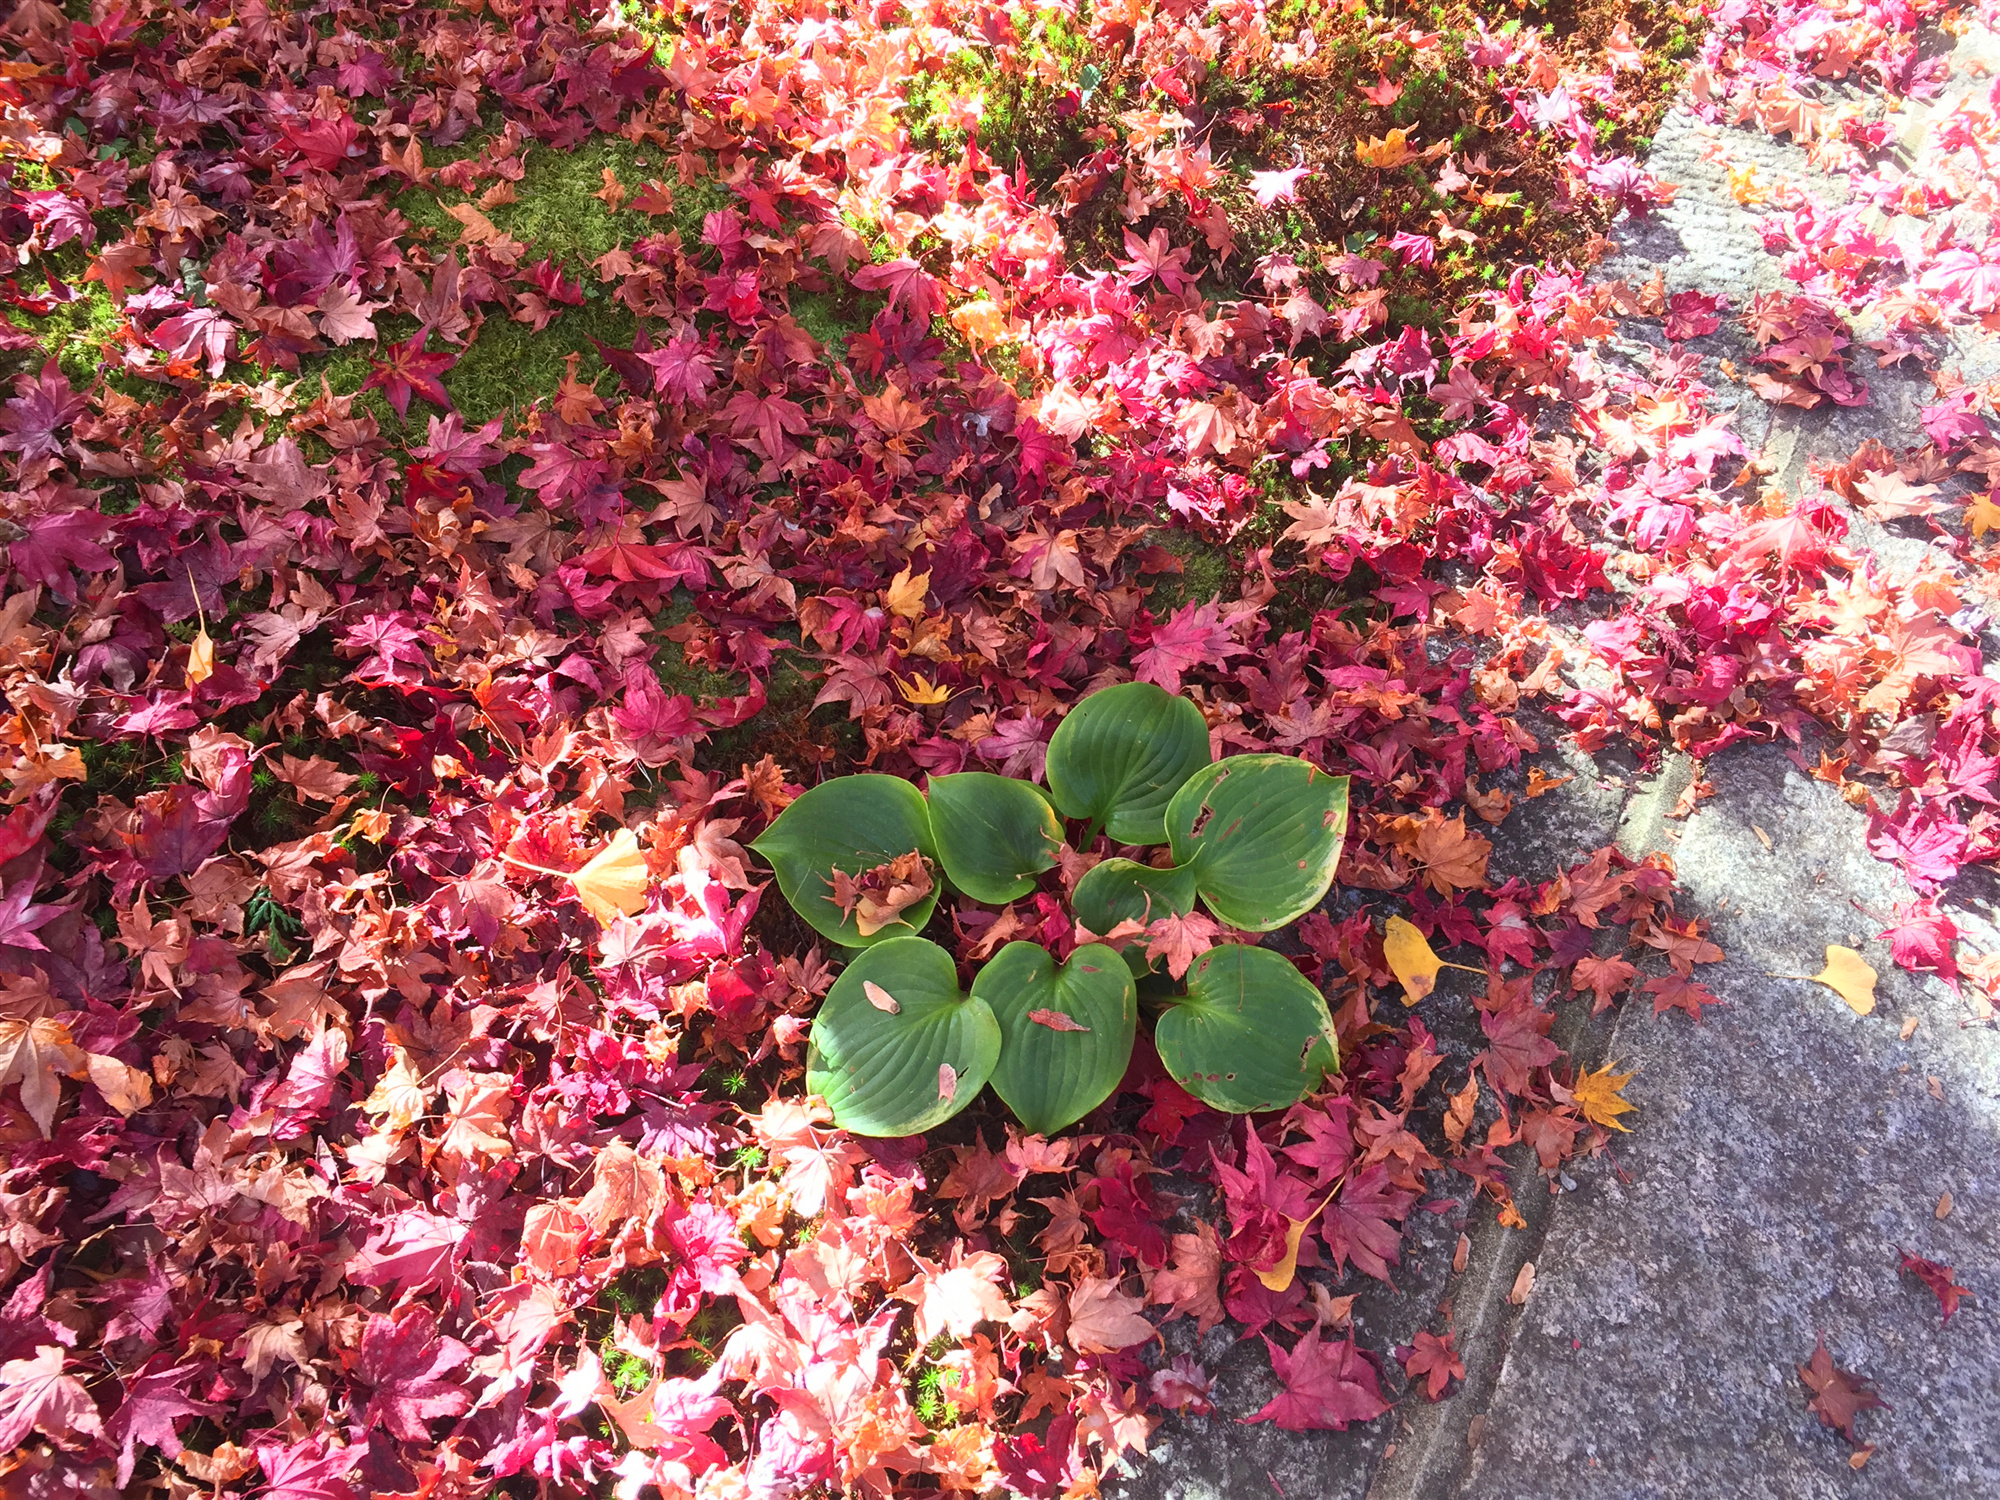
column 1262, row 834
column 854, row 824
column 1253, row 1033
column 1068, row 1030
column 1120, row 890
column 1120, row 753
column 994, row 834
column 896, row 1047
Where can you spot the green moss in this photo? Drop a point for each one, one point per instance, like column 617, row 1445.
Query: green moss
column 508, row 365
column 636, row 1291
column 557, row 212
column 627, row 1372
column 77, row 335
column 1207, row 571
column 833, row 317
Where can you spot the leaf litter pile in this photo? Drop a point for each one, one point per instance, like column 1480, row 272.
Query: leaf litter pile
column 467, row 468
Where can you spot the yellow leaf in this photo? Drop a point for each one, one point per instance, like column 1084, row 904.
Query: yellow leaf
column 1393, row 150
column 1597, row 1095
column 614, row 880
column 1412, row 962
column 1848, row 975
column 1982, row 515
column 125, row 1088
column 905, row 595
column 201, row 659
column 920, row 689
column 1280, row 1276
column 1743, row 187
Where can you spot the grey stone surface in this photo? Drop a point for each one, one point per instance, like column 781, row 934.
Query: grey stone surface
column 1784, row 1150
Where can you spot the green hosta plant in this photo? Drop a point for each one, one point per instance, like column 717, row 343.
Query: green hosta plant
column 898, row 1047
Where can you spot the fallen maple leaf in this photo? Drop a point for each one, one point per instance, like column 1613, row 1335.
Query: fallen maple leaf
column 1103, row 1319
column 1432, row 1359
column 1325, row 1386
column 1838, row 1396
column 1939, row 1278
column 1452, row 859
column 36, row 1396
column 1598, row 1096
column 37, row 1055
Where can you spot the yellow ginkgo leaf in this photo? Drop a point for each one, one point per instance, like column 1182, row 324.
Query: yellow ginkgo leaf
column 1411, row 960
column 614, row 881
column 1280, row 1276
column 1848, row 975
column 1597, row 1095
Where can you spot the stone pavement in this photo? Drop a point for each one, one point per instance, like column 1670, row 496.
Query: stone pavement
column 1784, row 1151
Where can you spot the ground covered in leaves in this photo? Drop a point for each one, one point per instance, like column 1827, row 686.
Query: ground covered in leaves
column 440, row 436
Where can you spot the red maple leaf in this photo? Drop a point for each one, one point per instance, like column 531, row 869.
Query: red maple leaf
column 1938, row 1278
column 1519, row 1040
column 1677, row 992
column 1326, row 1386
column 1433, row 1360
column 1839, row 1396
column 1359, row 1225
column 410, row 371
column 1195, row 636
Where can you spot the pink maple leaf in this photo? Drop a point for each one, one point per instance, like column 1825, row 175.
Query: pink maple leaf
column 36, row 1396
column 1278, row 187
column 45, row 405
column 1326, row 1386
column 1195, row 636
column 406, row 1361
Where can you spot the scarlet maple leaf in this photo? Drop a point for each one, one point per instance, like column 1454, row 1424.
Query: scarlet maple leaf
column 766, row 417
column 1605, row 978
column 1180, row 939
column 909, row 286
column 408, row 371
column 1188, row 1284
column 1103, row 1319
column 154, row 1401
column 1433, row 1360
column 45, row 405
column 1839, row 1396
column 36, row 1396
column 1938, row 1278
column 1326, row 1386
column 38, row 1054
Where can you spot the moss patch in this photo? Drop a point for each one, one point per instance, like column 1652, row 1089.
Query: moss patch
column 508, row 364
column 76, row 335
